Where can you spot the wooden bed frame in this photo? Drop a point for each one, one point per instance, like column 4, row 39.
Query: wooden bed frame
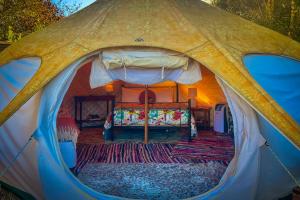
column 146, row 125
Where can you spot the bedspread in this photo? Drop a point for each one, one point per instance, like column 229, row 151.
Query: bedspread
column 157, row 117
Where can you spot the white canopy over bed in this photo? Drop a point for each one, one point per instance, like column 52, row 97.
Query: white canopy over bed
column 143, row 66
column 144, row 58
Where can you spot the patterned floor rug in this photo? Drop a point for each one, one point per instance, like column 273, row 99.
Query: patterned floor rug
column 152, row 180
column 199, row 150
column 217, row 147
column 125, row 153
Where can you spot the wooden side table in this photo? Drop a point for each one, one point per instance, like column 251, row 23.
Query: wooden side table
column 202, row 117
column 80, row 100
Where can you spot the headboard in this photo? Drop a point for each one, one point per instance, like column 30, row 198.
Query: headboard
column 162, row 94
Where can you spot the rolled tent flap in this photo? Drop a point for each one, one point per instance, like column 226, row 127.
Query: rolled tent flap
column 144, row 58
column 100, row 75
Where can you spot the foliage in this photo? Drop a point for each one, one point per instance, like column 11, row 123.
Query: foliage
column 280, row 15
column 21, row 17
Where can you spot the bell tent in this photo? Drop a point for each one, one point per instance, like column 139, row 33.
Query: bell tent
column 258, row 70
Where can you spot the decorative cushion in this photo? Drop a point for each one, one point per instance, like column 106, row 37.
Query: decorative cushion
column 151, row 97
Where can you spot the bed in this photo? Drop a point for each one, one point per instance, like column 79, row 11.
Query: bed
column 163, row 116
column 160, row 115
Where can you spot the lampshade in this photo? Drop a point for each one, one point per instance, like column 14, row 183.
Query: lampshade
column 192, row 92
column 109, row 88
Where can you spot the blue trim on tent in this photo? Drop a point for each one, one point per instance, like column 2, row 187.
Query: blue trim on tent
column 280, row 78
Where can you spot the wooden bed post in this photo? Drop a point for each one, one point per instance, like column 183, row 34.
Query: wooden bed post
column 146, row 116
column 190, row 119
column 80, row 115
column 177, row 92
column 112, row 118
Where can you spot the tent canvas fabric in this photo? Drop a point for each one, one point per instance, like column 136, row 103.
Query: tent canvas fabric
column 214, row 38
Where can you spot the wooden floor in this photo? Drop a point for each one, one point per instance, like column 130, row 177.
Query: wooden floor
column 95, row 135
column 91, row 136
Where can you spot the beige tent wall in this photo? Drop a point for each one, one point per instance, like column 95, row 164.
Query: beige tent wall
column 209, row 92
column 80, row 87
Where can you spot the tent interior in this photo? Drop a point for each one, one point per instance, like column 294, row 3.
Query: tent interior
column 105, row 139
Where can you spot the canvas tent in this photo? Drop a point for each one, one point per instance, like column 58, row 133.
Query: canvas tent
column 247, row 60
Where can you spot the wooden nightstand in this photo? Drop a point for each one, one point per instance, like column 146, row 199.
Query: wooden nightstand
column 85, row 122
column 202, row 117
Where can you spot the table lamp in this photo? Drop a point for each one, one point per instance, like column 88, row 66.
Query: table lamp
column 192, row 94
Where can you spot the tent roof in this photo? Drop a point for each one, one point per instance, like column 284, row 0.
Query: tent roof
column 213, row 37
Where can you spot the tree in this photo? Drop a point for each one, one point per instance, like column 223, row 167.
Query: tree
column 21, row 17
column 292, row 18
column 280, row 15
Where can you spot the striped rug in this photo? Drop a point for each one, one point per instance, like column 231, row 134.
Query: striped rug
column 200, row 150
column 125, row 153
column 206, row 148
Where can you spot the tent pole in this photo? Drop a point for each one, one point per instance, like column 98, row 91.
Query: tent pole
column 177, row 91
column 146, row 116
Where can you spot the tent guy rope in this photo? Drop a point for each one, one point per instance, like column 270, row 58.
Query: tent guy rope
column 10, row 165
